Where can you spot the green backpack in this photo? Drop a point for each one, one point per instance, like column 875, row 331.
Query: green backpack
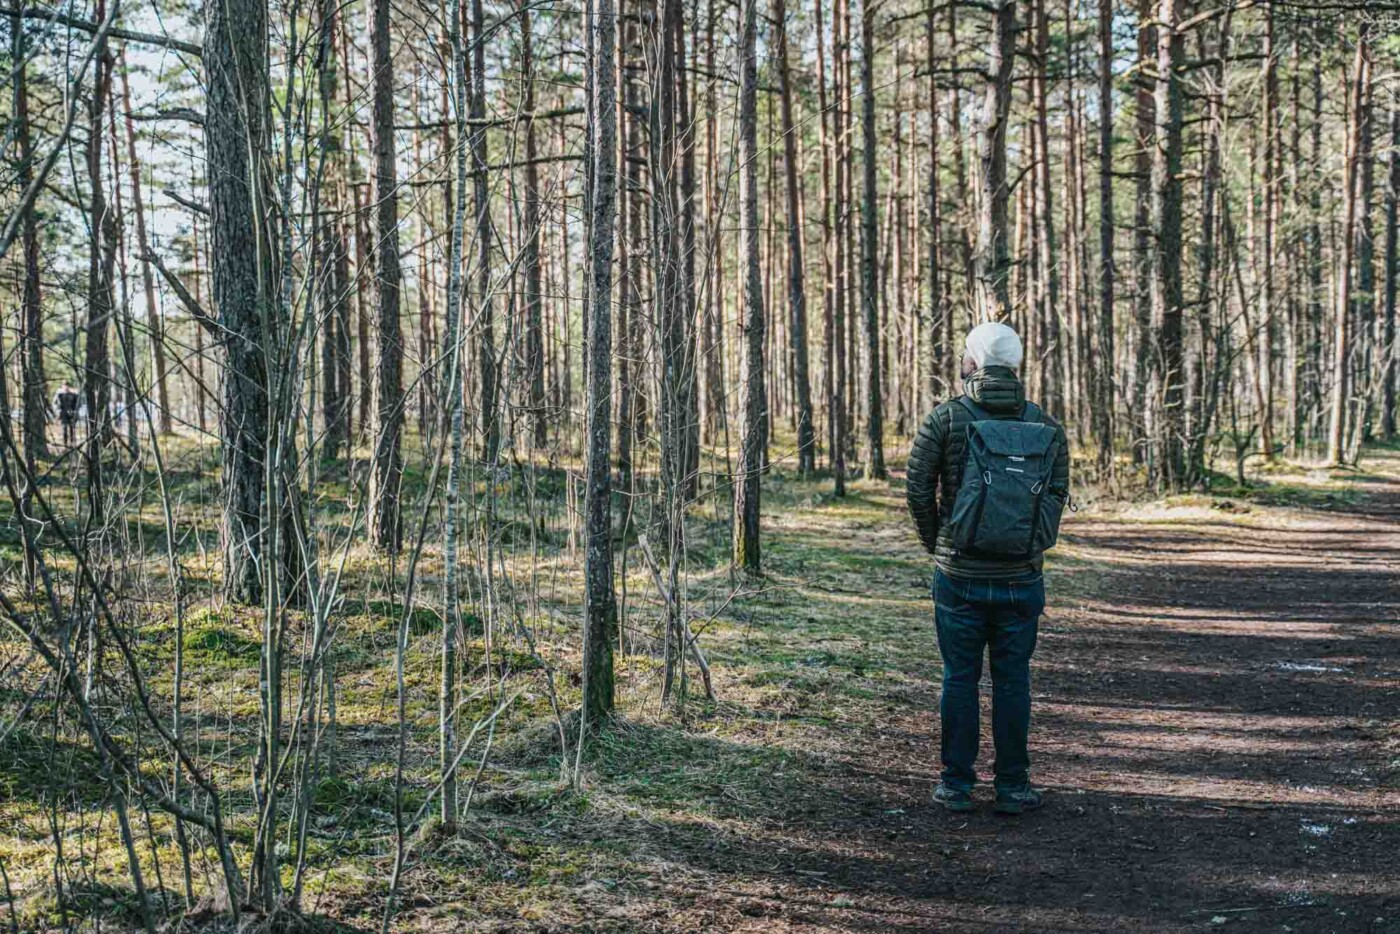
column 1005, row 507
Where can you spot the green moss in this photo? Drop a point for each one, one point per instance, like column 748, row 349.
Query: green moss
column 211, row 642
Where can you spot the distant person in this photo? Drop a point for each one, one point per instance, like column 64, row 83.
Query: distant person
column 67, row 401
column 988, row 480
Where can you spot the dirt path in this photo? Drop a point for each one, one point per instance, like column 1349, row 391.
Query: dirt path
column 1215, row 718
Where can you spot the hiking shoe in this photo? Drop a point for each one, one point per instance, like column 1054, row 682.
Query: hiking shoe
column 1019, row 800
column 952, row 799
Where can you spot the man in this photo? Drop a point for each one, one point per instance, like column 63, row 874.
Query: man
column 67, row 401
column 987, row 599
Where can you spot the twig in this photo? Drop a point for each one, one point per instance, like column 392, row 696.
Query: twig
column 691, row 642
column 72, row 22
column 189, row 301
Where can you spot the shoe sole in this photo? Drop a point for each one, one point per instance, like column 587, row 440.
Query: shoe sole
column 1013, row 810
column 958, row 807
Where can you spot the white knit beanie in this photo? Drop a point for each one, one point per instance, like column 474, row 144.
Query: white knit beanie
column 994, row 344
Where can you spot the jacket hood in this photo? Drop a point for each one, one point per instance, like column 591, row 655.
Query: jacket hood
column 996, row 389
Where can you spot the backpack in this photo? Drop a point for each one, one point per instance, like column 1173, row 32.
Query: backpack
column 1004, row 507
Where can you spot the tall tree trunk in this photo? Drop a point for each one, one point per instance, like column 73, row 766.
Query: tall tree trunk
column 1103, row 368
column 1052, row 352
column 196, row 286
column 1392, row 269
column 689, row 403
column 600, row 604
column 387, row 471
column 1145, row 125
column 534, row 329
column 753, row 428
column 1341, row 342
column 34, row 391
column 97, row 383
column 453, row 403
column 797, row 295
column 993, row 253
column 153, row 319
column 933, row 341
column 1267, row 325
column 1296, row 259
column 629, row 252
column 1166, row 230
column 1202, row 390
column 124, row 367
column 964, row 199
column 869, row 274
column 334, row 277
column 840, row 219
column 236, row 134
column 1364, row 296
column 364, row 280
column 1316, row 292
column 712, row 324
column 828, row 244
column 481, row 197
column 335, row 341
column 667, row 262
column 845, row 165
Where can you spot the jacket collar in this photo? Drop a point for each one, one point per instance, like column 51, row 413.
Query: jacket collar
column 996, row 389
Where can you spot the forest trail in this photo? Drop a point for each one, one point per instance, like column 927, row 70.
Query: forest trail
column 1215, row 695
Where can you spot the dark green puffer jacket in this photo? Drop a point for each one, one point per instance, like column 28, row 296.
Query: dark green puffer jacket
column 936, row 465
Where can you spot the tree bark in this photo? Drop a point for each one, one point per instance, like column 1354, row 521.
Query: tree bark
column 1392, row 269
column 869, row 274
column 153, row 319
column 1145, row 126
column 689, row 389
column 1203, row 391
column 97, row 384
column 753, row 429
column 530, row 260
column 600, row 605
column 335, row 343
column 481, row 203
column 933, row 341
column 236, row 134
column 453, row 407
column 1052, row 351
column 387, row 472
column 993, row 259
column 629, row 249
column 1267, row 324
column 34, row 391
column 1316, row 293
column 840, row 221
column 1103, row 367
column 1364, row 297
column 1341, row 342
column 828, row 245
column 1166, row 230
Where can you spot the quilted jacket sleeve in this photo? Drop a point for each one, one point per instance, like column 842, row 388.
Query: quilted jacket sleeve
column 1059, row 474
column 925, row 466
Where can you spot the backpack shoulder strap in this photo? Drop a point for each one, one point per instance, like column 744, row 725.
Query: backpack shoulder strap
column 978, row 413
column 1031, row 413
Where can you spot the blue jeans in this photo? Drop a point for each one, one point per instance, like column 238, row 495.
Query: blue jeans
column 1001, row 618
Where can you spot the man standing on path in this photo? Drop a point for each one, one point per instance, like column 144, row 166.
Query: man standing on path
column 67, row 401
column 988, row 480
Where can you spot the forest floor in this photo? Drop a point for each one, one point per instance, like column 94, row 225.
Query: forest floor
column 1216, row 719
